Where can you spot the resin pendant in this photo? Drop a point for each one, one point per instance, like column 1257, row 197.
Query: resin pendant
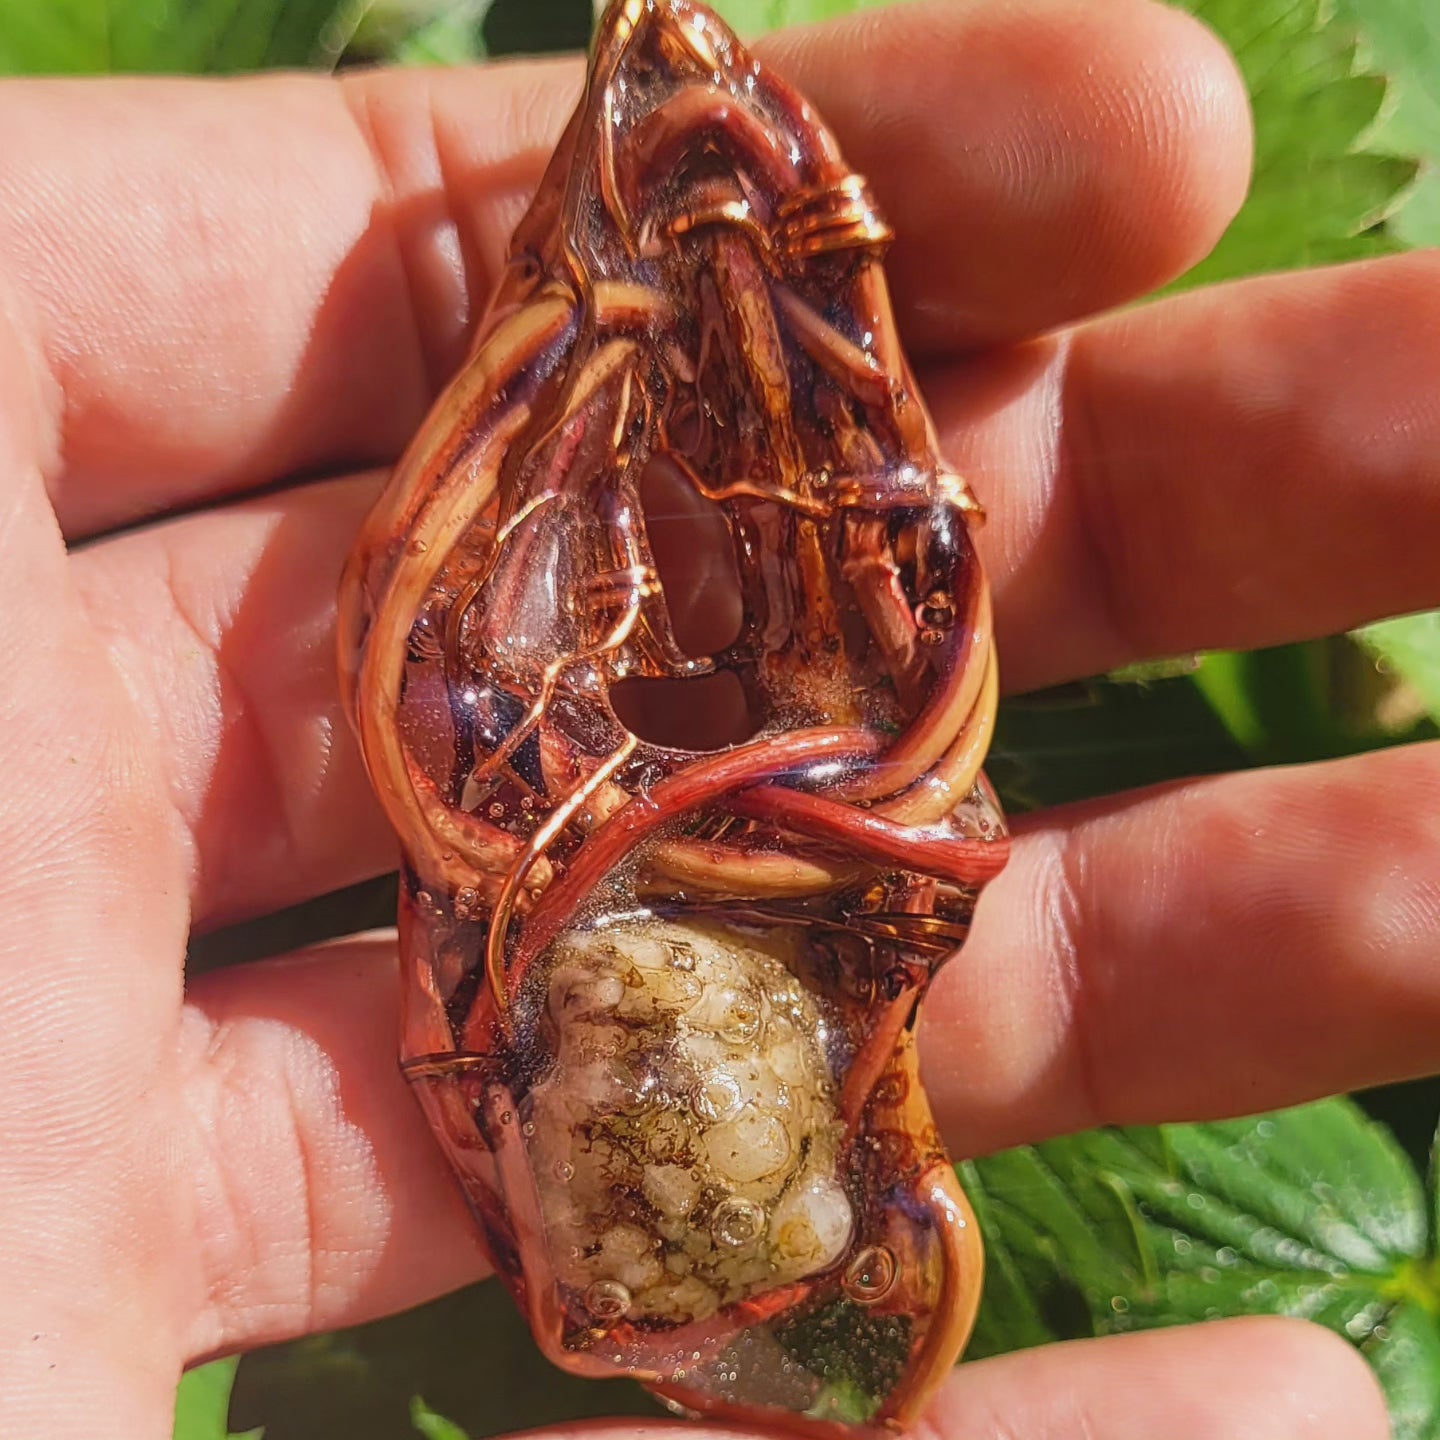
column 678, row 872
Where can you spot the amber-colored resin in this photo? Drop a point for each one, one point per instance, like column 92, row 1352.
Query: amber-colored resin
column 661, row 957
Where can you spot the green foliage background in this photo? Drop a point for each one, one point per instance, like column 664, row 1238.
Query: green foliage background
column 1319, row 1211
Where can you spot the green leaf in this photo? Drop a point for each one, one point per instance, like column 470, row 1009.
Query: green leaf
column 1408, row 648
column 431, row 1425
column 1147, row 672
column 1244, row 693
column 755, row 17
column 1325, row 698
column 1405, row 1354
column 1100, row 737
column 1402, row 38
column 419, row 32
column 202, row 1403
column 1313, row 1212
column 454, row 38
column 1320, row 189
column 203, row 36
column 1277, row 702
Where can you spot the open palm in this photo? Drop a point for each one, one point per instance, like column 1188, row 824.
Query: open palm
column 210, row 289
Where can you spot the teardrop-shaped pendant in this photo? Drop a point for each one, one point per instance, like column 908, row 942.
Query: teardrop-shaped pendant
column 671, row 661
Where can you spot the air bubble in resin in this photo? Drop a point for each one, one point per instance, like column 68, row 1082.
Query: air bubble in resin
column 870, row 1276
column 737, row 1222
column 607, row 1299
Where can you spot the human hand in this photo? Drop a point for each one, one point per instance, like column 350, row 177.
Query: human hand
column 209, row 288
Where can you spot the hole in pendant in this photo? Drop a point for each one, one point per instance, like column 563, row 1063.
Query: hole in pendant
column 694, row 553
column 702, row 712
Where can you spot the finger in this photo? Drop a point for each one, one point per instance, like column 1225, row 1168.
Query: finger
column 1049, row 1021
column 1237, row 467
column 1249, row 465
column 1009, row 1097
column 222, row 625
column 323, row 1202
column 1040, row 161
column 1210, row 948
column 79, row 992
column 1260, row 1379
column 1265, row 1379
column 233, row 282
column 320, row 1197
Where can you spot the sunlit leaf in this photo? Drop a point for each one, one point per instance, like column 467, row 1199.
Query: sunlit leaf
column 96, row 36
column 453, row 38
column 202, row 1405
column 1402, row 38
column 431, row 1425
column 754, row 17
column 1319, row 189
column 1409, row 648
column 1313, row 1212
column 417, row 32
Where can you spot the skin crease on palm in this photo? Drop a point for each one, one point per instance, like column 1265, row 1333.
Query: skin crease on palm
column 207, row 289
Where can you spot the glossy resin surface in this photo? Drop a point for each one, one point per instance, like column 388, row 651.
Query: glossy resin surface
column 678, row 871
